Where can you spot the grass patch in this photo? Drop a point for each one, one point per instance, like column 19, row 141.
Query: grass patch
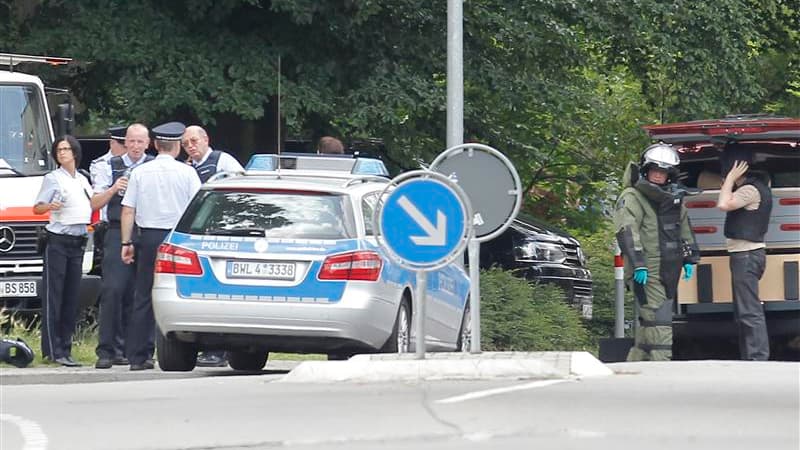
column 28, row 328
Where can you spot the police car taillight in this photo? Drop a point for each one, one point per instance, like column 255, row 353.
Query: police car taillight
column 360, row 265
column 177, row 260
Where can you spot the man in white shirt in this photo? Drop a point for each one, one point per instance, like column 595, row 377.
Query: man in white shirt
column 205, row 160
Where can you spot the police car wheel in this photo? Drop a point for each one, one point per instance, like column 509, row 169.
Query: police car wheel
column 465, row 332
column 240, row 360
column 175, row 355
column 399, row 340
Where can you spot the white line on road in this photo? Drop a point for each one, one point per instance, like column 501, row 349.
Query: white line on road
column 31, row 432
column 497, row 391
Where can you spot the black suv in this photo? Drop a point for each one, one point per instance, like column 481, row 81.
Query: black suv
column 542, row 253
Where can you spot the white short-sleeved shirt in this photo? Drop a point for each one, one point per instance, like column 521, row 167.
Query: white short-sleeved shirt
column 105, row 178
column 226, row 162
column 47, row 193
column 98, row 169
column 160, row 191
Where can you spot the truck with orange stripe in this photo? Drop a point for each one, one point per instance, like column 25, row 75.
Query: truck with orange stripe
column 26, row 137
column 705, row 308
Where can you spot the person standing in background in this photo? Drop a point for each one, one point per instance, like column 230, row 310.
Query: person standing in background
column 157, row 195
column 329, row 145
column 65, row 194
column 747, row 202
column 118, row 278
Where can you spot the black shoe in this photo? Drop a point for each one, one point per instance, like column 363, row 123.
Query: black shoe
column 120, row 361
column 103, row 363
column 147, row 365
column 67, row 361
column 205, row 360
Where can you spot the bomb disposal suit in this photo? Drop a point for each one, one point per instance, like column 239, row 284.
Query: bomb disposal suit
column 656, row 239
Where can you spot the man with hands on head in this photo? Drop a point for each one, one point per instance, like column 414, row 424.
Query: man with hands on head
column 747, row 201
column 655, row 236
column 205, row 160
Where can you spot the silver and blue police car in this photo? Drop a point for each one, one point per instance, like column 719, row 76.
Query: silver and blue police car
column 288, row 261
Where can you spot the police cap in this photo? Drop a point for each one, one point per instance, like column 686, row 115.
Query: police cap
column 117, row 132
column 170, row 131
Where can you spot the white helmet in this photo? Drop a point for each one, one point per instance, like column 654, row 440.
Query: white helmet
column 662, row 156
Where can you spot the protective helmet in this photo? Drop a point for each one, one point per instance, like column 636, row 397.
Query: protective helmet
column 663, row 156
column 15, row 352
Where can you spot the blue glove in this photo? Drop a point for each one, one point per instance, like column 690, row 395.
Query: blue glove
column 640, row 276
column 688, row 271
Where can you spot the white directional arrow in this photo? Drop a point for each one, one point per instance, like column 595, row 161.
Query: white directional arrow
column 436, row 235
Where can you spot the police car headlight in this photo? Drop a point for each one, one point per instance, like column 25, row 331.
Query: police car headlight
column 540, row 251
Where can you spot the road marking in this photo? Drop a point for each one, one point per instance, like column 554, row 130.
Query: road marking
column 497, row 391
column 31, row 432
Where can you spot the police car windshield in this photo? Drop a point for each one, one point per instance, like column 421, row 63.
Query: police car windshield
column 272, row 214
column 24, row 133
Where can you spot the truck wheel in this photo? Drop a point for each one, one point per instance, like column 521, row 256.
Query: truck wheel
column 175, row 355
column 251, row 361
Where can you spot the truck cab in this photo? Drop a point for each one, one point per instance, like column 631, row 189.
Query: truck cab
column 26, row 137
column 705, row 308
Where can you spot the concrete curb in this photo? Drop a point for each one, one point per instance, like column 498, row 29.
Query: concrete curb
column 456, row 366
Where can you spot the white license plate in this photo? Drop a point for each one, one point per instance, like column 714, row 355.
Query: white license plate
column 17, row 289
column 261, row 270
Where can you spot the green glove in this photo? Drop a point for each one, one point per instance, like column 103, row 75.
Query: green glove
column 640, row 276
column 688, row 271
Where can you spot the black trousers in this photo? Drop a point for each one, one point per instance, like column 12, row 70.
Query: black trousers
column 746, row 270
column 63, row 258
column 142, row 326
column 116, row 298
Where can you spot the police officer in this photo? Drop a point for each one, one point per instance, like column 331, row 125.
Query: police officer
column 205, row 160
column 65, row 195
column 656, row 238
column 157, row 195
column 747, row 201
column 118, row 278
column 329, row 145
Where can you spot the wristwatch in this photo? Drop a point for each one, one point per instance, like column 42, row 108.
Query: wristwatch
column 125, row 244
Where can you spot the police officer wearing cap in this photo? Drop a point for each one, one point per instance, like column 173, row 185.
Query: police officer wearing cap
column 154, row 201
column 118, row 278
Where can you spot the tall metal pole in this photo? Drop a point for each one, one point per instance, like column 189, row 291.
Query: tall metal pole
column 474, row 251
column 419, row 314
column 619, row 298
column 455, row 73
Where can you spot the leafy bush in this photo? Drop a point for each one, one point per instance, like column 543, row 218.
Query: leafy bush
column 519, row 316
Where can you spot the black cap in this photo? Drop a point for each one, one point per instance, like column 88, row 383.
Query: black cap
column 170, row 131
column 117, row 132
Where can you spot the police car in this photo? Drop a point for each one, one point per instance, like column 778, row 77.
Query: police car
column 288, row 261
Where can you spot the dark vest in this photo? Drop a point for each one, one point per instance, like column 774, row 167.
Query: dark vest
column 118, row 168
column 209, row 167
column 750, row 225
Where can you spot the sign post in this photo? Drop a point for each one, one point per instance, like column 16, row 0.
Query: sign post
column 495, row 204
column 423, row 223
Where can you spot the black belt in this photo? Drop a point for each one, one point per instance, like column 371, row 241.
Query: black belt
column 67, row 239
column 160, row 230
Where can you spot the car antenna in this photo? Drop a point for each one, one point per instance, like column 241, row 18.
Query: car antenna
column 278, row 160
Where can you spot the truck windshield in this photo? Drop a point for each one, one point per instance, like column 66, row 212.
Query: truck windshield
column 24, row 133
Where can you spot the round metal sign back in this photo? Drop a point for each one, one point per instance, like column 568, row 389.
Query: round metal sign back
column 490, row 181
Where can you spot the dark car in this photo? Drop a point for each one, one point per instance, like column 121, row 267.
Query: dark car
column 542, row 253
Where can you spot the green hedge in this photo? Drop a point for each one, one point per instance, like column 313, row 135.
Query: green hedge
column 519, row 316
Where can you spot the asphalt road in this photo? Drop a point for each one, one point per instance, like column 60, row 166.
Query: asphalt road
column 677, row 405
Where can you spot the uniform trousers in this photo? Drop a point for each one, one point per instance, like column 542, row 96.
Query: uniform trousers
column 115, row 299
column 63, row 259
column 141, row 328
column 746, row 271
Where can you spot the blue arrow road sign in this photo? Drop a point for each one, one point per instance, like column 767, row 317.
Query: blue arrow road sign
column 423, row 222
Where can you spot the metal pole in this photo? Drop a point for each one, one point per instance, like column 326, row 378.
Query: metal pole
column 422, row 287
column 455, row 73
column 474, row 250
column 619, row 300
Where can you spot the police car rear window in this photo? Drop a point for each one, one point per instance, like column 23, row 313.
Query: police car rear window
column 272, row 214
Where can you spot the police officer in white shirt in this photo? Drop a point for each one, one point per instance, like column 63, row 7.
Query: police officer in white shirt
column 205, row 160
column 116, row 296
column 157, row 195
column 65, row 195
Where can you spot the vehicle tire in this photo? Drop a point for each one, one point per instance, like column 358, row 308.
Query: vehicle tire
column 464, row 341
column 174, row 355
column 339, row 356
column 400, row 338
column 251, row 361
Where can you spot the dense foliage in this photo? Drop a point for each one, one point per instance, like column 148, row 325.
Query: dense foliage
column 519, row 316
